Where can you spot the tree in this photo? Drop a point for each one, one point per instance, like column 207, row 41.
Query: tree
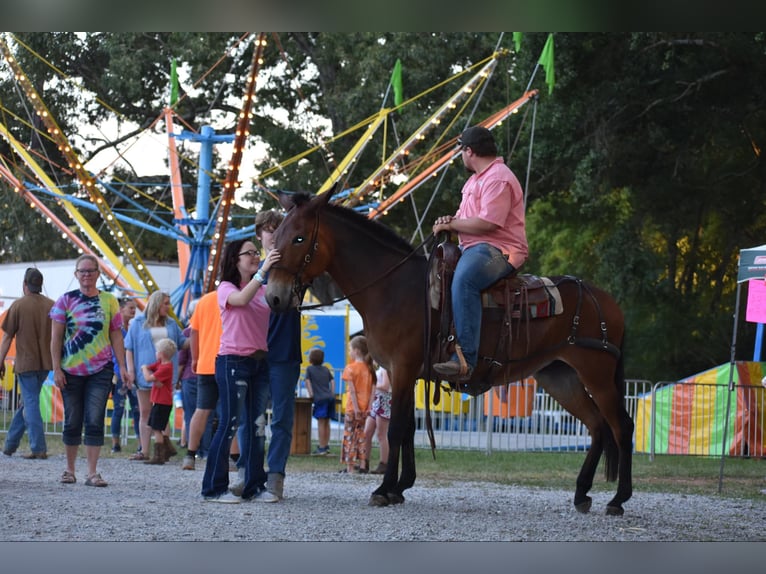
column 646, row 173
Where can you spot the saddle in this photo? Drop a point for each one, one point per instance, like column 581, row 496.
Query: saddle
column 512, row 300
column 525, row 295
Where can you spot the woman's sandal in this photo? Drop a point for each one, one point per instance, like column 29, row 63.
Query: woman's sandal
column 68, row 478
column 137, row 456
column 95, row 480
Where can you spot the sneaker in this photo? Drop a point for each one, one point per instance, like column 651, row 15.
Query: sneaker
column 264, row 496
column 225, row 498
column 188, row 463
column 8, row 452
column 116, row 448
column 321, row 451
column 238, row 487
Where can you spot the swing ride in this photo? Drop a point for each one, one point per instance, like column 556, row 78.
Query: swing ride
column 200, row 236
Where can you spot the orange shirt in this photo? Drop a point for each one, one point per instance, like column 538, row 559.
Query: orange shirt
column 206, row 320
column 358, row 375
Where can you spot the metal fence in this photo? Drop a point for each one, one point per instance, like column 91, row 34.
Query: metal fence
column 670, row 418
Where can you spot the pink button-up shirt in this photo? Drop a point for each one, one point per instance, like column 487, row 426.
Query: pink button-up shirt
column 495, row 195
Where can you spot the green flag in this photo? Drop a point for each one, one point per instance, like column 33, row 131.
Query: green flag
column 173, row 83
column 546, row 61
column 396, row 82
column 517, row 40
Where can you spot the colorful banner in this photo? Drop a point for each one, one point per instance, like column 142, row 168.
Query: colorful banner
column 756, row 301
column 690, row 415
column 328, row 332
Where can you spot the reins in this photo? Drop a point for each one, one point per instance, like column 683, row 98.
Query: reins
column 307, row 260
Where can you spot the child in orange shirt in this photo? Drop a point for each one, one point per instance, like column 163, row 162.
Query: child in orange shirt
column 160, row 374
column 359, row 376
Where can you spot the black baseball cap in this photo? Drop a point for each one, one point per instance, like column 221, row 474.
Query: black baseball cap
column 33, row 280
column 476, row 136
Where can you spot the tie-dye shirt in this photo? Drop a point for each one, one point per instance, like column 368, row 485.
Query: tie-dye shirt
column 88, row 320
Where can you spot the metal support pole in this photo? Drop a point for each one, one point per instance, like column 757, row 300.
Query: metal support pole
column 732, row 367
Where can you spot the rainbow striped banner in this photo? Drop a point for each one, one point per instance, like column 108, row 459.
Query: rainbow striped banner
column 690, row 414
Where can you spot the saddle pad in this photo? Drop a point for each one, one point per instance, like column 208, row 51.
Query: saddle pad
column 543, row 298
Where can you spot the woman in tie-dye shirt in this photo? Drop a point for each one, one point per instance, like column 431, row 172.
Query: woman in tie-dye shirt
column 86, row 327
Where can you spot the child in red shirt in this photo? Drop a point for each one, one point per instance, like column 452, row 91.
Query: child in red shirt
column 160, row 374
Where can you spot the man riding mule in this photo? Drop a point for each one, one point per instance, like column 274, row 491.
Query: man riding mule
column 576, row 354
column 491, row 230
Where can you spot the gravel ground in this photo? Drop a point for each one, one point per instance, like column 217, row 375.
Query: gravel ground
column 162, row 503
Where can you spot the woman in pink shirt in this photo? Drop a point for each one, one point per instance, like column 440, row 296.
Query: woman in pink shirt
column 241, row 374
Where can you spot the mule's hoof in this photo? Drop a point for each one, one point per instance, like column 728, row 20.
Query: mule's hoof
column 394, row 498
column 584, row 506
column 378, row 500
column 614, row 511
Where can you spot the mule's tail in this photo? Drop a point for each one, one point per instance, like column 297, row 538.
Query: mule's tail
column 611, row 448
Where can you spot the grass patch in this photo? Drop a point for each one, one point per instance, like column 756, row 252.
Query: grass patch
column 742, row 477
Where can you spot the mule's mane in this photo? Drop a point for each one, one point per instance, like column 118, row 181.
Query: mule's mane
column 381, row 233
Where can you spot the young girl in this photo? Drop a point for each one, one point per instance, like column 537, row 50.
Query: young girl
column 359, row 376
column 319, row 383
column 378, row 419
column 160, row 375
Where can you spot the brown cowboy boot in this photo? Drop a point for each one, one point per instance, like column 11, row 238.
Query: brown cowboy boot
column 159, row 454
column 170, row 450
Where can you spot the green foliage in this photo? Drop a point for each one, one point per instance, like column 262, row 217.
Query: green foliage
column 646, row 173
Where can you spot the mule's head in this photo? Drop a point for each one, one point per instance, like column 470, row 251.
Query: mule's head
column 306, row 252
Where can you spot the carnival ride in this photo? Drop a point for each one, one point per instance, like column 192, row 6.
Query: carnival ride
column 200, row 237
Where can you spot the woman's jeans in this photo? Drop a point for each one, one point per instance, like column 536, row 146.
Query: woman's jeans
column 283, row 377
column 85, row 400
column 243, row 387
column 118, row 410
column 479, row 267
column 27, row 415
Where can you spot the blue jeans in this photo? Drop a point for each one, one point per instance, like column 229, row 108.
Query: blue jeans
column 243, row 383
column 118, row 410
column 28, row 416
column 189, row 400
column 85, row 400
column 283, row 377
column 478, row 268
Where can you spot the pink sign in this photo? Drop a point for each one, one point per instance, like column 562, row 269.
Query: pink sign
column 756, row 301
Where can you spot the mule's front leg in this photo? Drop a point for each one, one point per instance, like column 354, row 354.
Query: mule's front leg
column 407, row 477
column 401, row 440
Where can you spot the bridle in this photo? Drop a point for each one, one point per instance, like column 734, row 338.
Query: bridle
column 300, row 287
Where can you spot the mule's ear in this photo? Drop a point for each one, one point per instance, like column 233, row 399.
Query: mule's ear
column 325, row 197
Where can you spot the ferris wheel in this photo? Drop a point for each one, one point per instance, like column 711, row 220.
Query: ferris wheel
column 200, row 237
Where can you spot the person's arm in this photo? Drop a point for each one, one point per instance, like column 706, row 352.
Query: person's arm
column 129, row 363
column 240, row 298
column 57, row 346
column 384, row 384
column 194, row 348
column 118, row 348
column 309, row 390
column 149, row 375
column 472, row 225
column 5, row 346
column 352, row 394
